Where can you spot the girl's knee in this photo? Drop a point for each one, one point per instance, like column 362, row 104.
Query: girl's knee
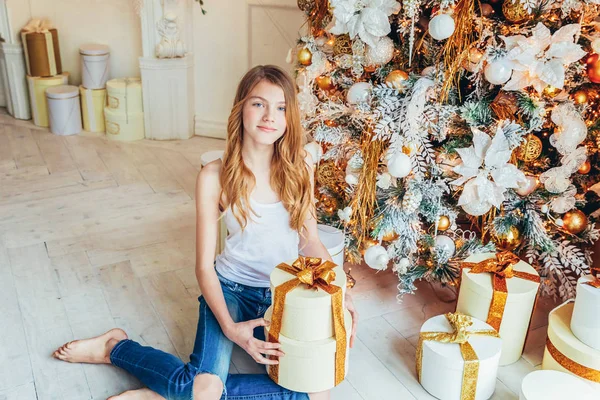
column 207, row 387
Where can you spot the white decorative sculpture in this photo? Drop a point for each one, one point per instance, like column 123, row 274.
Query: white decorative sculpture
column 170, row 45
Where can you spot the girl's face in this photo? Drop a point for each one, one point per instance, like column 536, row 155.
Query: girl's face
column 264, row 113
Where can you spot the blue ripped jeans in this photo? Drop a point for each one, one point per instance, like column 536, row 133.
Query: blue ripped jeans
column 173, row 379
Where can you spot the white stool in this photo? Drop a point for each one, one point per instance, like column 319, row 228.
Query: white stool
column 555, row 385
column 64, row 110
column 205, row 158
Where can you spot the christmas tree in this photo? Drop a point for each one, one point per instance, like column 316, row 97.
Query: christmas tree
column 448, row 128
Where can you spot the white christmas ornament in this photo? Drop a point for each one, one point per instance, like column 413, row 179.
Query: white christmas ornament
column 381, row 53
column 377, row 257
column 497, row 72
column 351, row 179
column 445, row 244
column 487, row 158
column 366, row 18
column 540, row 60
column 441, row 26
column 315, row 150
column 359, row 92
column 399, row 165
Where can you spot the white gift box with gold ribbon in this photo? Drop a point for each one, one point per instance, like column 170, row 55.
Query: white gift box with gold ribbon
column 64, row 110
column 124, row 127
column 93, row 102
column 95, row 65
column 565, row 353
column 458, row 364
column 311, row 323
column 37, row 96
column 548, row 384
column 585, row 323
column 125, row 95
column 476, row 297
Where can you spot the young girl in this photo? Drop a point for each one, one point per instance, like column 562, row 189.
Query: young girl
column 264, row 187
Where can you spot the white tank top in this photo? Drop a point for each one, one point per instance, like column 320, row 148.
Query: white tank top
column 250, row 256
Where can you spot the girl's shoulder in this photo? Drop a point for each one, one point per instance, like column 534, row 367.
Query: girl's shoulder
column 208, row 184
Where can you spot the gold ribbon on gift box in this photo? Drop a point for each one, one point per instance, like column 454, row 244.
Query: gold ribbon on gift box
column 40, row 45
column 460, row 335
column 312, row 272
column 574, row 367
column 502, row 268
column 595, row 282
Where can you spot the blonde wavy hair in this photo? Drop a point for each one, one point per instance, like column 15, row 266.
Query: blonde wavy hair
column 289, row 171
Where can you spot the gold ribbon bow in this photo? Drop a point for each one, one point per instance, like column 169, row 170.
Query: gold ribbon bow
column 595, row 282
column 460, row 335
column 312, row 272
column 502, row 268
column 37, row 26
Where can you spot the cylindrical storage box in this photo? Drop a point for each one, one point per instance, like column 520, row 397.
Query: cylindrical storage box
column 565, row 353
column 37, row 96
column 554, row 385
column 124, row 127
column 94, row 65
column 93, row 102
column 125, row 95
column 475, row 299
column 42, row 53
column 64, row 110
column 309, row 366
column 333, row 239
column 441, row 365
column 585, row 323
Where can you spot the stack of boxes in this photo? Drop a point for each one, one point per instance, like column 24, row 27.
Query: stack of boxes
column 94, row 75
column 124, row 113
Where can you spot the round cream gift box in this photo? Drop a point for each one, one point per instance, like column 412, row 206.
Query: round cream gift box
column 307, row 315
column 125, row 95
column 442, row 364
column 333, row 239
column 37, row 95
column 585, row 323
column 554, row 385
column 124, row 127
column 565, row 353
column 309, row 366
column 94, row 65
column 475, row 297
column 93, row 102
column 64, row 110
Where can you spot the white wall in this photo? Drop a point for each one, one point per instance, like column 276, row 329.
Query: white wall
column 110, row 22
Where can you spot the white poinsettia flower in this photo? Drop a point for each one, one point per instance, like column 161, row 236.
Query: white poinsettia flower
column 487, row 158
column 366, row 18
column 565, row 202
column 540, row 59
column 384, row 180
column 345, row 214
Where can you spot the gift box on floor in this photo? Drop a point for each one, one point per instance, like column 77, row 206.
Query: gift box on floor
column 93, row 102
column 37, row 95
column 64, row 110
column 94, row 65
column 457, row 357
column 565, row 353
column 125, row 95
column 501, row 290
column 124, row 127
column 585, row 323
column 308, row 318
column 546, row 385
column 41, row 49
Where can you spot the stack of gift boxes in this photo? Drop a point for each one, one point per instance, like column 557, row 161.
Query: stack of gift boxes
column 124, row 113
column 94, row 75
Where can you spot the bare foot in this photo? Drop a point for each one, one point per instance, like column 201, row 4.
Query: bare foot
column 140, row 394
column 95, row 350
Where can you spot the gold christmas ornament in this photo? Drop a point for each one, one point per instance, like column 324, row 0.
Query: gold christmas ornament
column 551, row 91
column 509, row 240
column 396, row 78
column 342, row 45
column 585, row 167
column 305, row 56
column 505, row 105
column 575, row 221
column 328, row 174
column 330, row 123
column 515, row 12
column 443, row 223
column 580, row 97
column 390, row 236
column 325, row 82
column 530, row 149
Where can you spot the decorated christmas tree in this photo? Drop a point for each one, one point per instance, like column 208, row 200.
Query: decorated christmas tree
column 448, row 128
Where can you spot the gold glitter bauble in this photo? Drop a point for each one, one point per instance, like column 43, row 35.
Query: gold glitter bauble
column 580, row 97
column 328, row 174
column 514, row 11
column 509, row 240
column 305, row 56
column 585, row 167
column 396, row 78
column 530, row 149
column 324, row 82
column 551, row 91
column 575, row 221
column 342, row 45
column 390, row 236
column 306, row 5
column 443, row 223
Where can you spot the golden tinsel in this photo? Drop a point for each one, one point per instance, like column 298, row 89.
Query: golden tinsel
column 342, row 45
column 530, row 149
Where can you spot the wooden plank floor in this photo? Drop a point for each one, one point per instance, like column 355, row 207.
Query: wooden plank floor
column 96, row 234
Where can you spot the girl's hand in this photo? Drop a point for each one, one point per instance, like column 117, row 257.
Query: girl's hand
column 242, row 334
column 354, row 314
